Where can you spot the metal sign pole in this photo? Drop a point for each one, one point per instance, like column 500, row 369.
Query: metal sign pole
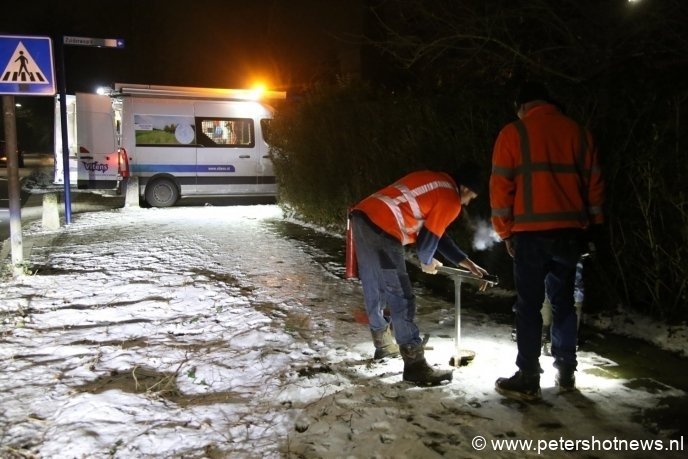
column 65, row 135
column 16, row 242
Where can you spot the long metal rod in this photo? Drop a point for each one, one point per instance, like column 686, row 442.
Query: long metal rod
column 458, row 276
column 457, row 320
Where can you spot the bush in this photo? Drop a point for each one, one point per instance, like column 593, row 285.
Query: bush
column 339, row 144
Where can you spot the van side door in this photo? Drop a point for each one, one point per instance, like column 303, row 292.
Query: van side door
column 227, row 155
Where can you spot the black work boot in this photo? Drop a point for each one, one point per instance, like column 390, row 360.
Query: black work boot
column 417, row 370
column 384, row 344
column 521, row 386
column 565, row 379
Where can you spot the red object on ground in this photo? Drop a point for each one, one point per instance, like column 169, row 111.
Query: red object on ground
column 351, row 262
column 360, row 316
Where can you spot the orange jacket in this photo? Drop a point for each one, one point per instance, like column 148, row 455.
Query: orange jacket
column 545, row 175
column 420, row 199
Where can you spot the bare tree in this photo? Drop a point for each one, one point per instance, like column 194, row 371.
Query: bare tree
column 570, row 40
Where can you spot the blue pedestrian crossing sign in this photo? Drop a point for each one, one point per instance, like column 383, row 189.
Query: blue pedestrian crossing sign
column 27, row 66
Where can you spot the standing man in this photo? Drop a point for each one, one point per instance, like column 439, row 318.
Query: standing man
column 546, row 189
column 418, row 208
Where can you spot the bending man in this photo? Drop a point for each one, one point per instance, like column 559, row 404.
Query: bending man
column 418, row 208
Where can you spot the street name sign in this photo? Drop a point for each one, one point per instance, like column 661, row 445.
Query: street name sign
column 94, row 42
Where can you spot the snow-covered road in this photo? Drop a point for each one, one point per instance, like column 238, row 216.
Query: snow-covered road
column 204, row 332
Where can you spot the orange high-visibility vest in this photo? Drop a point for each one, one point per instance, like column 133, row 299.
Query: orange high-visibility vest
column 545, row 175
column 421, row 199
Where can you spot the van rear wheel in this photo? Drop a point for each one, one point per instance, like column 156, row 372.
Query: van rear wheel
column 162, row 193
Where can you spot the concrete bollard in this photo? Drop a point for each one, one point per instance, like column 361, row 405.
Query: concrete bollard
column 131, row 197
column 51, row 213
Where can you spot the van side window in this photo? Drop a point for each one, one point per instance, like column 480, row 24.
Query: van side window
column 160, row 130
column 226, row 132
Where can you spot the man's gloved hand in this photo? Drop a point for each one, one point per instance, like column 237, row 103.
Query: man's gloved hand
column 432, row 267
column 477, row 270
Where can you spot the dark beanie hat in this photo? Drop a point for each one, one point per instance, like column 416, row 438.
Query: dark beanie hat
column 469, row 175
column 530, row 91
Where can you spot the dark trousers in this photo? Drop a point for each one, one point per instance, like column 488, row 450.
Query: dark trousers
column 546, row 260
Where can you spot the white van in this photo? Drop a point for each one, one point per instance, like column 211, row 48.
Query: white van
column 178, row 141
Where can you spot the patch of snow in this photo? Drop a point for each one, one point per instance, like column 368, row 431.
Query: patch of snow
column 203, row 332
column 673, row 338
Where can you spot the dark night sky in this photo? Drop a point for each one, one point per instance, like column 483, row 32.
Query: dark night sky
column 285, row 43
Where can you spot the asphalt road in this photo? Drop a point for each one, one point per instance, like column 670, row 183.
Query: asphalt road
column 31, row 204
column 4, row 209
column 32, row 163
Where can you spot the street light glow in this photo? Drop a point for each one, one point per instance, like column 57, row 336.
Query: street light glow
column 257, row 91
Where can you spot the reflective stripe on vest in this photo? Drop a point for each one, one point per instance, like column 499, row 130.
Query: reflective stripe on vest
column 409, row 196
column 526, row 170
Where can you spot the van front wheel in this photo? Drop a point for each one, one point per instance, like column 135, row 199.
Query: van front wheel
column 162, row 193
